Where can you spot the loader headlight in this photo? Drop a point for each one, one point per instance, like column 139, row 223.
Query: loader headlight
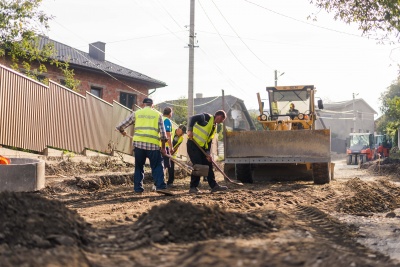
column 263, row 117
column 300, row 116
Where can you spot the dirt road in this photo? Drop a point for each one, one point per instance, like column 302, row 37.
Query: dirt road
column 87, row 216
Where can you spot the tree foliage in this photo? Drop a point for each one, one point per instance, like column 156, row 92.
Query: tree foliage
column 180, row 113
column 21, row 23
column 380, row 17
column 253, row 115
column 390, row 107
column 179, row 110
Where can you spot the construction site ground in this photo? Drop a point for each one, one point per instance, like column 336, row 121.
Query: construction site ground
column 88, row 215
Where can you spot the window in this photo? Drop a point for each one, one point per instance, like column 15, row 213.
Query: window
column 128, row 100
column 97, row 91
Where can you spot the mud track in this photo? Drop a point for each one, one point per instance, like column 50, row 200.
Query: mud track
column 88, row 216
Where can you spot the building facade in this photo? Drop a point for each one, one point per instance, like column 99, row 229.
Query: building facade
column 102, row 78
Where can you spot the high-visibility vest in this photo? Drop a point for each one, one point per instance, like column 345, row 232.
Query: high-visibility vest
column 203, row 135
column 180, row 140
column 146, row 126
column 172, row 127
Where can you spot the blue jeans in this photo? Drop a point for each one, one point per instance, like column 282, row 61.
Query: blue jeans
column 157, row 168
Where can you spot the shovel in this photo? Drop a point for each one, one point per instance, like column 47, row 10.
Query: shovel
column 216, row 166
column 196, row 170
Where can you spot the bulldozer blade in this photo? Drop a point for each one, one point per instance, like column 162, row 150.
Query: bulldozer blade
column 299, row 146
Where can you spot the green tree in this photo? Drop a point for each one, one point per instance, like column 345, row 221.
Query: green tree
column 180, row 113
column 381, row 17
column 254, row 114
column 21, row 24
column 390, row 107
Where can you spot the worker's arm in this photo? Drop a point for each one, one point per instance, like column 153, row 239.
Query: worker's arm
column 126, row 123
column 163, row 134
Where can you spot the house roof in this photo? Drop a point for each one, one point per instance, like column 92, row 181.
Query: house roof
column 80, row 59
column 213, row 104
column 347, row 104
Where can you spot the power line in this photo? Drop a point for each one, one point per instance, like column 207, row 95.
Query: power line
column 223, row 40
column 240, row 37
column 305, row 22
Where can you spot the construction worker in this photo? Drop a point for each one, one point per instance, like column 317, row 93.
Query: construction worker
column 177, row 139
column 167, row 114
column 149, row 130
column 292, row 111
column 201, row 131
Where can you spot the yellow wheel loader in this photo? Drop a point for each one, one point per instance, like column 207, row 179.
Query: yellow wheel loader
column 289, row 147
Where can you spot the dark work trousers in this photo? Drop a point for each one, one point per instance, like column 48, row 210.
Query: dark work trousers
column 171, row 173
column 167, row 160
column 156, row 164
column 197, row 157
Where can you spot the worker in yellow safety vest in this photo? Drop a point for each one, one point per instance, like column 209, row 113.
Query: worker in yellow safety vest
column 177, row 139
column 149, row 131
column 201, row 130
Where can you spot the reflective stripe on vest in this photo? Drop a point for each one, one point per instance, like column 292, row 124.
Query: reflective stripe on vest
column 146, row 126
column 203, row 135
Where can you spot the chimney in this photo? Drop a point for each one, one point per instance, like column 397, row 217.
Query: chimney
column 97, row 50
column 199, row 95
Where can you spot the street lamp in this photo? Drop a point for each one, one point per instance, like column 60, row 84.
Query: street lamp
column 276, row 77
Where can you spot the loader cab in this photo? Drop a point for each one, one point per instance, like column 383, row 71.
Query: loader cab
column 281, row 97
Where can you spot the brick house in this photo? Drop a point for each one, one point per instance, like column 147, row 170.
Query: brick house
column 98, row 76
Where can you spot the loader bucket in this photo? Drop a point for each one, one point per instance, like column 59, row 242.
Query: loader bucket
column 278, row 155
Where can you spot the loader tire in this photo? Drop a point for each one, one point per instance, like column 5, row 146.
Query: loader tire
column 243, row 173
column 229, row 170
column 349, row 160
column 321, row 173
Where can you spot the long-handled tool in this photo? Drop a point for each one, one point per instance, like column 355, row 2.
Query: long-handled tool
column 216, row 166
column 197, row 169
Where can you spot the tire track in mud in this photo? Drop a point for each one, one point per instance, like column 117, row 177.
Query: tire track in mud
column 339, row 236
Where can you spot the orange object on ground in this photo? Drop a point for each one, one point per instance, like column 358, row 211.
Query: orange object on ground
column 4, row 160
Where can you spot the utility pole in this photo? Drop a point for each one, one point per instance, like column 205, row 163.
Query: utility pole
column 191, row 62
column 354, row 113
column 276, row 77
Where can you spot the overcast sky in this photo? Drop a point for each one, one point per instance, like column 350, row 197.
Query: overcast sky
column 240, row 45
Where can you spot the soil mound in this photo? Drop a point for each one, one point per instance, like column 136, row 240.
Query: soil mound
column 388, row 167
column 31, row 221
column 70, row 168
column 178, row 222
column 367, row 198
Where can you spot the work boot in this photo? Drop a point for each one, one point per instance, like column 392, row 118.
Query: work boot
column 217, row 188
column 194, row 190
